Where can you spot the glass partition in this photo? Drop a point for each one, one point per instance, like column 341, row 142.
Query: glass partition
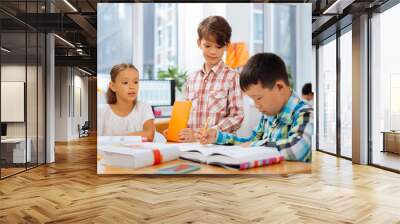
column 327, row 96
column 346, row 94
column 22, row 88
column 385, row 89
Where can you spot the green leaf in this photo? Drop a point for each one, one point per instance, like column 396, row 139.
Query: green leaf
column 173, row 73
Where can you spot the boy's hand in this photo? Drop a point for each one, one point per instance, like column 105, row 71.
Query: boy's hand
column 165, row 132
column 208, row 137
column 187, row 135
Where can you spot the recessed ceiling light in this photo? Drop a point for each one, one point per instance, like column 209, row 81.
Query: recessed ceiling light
column 64, row 40
column 338, row 6
column 5, row 50
column 70, row 5
column 84, row 71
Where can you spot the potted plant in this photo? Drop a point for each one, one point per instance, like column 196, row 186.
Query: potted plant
column 173, row 73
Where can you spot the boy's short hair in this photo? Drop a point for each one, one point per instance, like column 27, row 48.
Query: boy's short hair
column 217, row 27
column 307, row 89
column 264, row 68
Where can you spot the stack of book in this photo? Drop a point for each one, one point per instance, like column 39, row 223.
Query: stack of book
column 137, row 155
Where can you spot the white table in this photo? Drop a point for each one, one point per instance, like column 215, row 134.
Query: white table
column 18, row 149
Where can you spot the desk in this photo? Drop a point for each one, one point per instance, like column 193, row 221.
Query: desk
column 15, row 148
column 391, row 141
column 283, row 168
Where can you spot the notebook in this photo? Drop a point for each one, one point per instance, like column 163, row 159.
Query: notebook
column 179, row 169
column 179, row 119
column 233, row 157
column 137, row 155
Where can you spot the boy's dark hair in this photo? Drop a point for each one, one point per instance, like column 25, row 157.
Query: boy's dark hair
column 266, row 68
column 217, row 27
column 307, row 89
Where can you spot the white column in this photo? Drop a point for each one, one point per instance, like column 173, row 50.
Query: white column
column 50, row 99
column 360, row 90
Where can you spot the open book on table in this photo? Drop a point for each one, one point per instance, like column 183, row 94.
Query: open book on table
column 235, row 157
column 137, row 155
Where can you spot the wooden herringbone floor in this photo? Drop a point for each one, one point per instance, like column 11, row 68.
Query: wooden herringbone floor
column 70, row 191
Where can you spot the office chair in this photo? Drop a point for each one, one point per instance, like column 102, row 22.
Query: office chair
column 84, row 130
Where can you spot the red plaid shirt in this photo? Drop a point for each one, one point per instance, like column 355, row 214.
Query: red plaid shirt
column 215, row 96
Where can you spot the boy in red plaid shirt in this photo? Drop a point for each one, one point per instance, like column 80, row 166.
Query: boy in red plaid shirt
column 214, row 90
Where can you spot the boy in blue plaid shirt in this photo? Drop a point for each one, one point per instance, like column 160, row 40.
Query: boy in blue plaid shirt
column 286, row 123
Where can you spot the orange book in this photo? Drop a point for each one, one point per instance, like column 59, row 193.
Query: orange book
column 179, row 119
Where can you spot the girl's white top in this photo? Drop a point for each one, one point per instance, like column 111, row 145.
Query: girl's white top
column 110, row 124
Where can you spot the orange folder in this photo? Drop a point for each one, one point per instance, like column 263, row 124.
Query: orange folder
column 179, row 119
column 237, row 55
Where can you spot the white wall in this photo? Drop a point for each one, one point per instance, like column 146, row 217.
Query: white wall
column 15, row 73
column 33, row 127
column 304, row 58
column 138, row 39
column 80, row 83
column 69, row 85
column 61, row 103
column 239, row 17
column 303, row 41
column 189, row 16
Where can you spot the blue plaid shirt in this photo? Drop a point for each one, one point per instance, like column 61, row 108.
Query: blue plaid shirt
column 290, row 131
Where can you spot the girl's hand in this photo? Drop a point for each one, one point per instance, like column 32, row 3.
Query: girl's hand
column 209, row 137
column 165, row 132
